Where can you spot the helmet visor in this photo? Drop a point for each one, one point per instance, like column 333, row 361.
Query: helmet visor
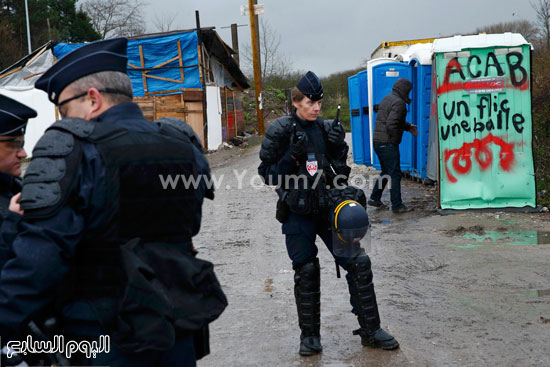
column 351, row 242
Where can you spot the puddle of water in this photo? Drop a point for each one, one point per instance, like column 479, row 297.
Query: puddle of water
column 513, row 238
column 268, row 285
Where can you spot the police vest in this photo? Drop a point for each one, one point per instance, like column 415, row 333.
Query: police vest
column 306, row 191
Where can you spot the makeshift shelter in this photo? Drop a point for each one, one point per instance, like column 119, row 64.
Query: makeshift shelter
column 186, row 74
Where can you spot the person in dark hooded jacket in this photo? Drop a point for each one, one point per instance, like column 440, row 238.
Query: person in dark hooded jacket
column 388, row 132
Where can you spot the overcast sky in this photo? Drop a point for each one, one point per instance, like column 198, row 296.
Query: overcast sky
column 332, row 36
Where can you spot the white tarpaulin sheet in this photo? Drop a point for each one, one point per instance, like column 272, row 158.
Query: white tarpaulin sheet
column 38, row 100
column 22, row 78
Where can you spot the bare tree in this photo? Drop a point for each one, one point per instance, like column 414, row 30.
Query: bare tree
column 524, row 27
column 112, row 18
column 164, row 22
column 274, row 61
column 543, row 19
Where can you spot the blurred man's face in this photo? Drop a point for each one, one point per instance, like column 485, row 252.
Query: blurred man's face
column 69, row 107
column 11, row 155
column 307, row 109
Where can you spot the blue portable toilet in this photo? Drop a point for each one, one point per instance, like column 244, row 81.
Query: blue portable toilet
column 383, row 74
column 420, row 56
column 354, row 92
column 359, row 114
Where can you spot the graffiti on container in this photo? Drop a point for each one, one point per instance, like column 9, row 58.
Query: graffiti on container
column 480, row 149
column 518, row 76
column 493, row 115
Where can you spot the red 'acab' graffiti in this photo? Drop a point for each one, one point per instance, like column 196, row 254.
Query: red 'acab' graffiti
column 482, row 155
column 513, row 60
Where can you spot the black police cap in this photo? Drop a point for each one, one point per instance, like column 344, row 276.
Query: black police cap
column 106, row 55
column 13, row 116
column 310, row 86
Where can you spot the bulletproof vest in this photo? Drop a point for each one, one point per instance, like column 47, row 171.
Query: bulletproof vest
column 307, row 194
column 138, row 202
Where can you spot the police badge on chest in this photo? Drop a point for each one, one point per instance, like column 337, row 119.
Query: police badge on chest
column 311, row 164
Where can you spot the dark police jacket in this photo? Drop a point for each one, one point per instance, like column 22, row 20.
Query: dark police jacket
column 47, row 246
column 277, row 163
column 9, row 186
column 392, row 111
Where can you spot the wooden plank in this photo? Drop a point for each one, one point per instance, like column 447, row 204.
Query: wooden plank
column 195, row 119
column 162, row 64
column 180, row 60
column 11, row 72
column 133, row 66
column 36, row 56
column 143, row 66
column 161, row 92
column 200, row 63
column 227, row 115
column 235, row 118
column 161, row 78
column 33, row 75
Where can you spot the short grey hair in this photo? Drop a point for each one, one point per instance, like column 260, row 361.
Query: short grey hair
column 106, row 79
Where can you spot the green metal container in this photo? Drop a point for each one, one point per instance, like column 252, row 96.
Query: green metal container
column 484, row 122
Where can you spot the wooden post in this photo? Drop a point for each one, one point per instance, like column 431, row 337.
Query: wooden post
column 226, row 111
column 235, row 114
column 203, row 82
column 143, row 67
column 256, row 64
column 258, row 38
column 180, row 60
column 235, row 42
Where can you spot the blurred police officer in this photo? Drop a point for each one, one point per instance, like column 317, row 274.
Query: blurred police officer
column 303, row 145
column 91, row 201
column 13, row 120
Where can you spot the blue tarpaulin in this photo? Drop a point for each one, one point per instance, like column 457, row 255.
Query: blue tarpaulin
column 157, row 50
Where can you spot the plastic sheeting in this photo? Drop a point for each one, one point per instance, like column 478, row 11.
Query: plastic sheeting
column 31, row 72
column 156, row 51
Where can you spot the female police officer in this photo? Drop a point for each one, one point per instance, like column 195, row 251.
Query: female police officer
column 303, row 155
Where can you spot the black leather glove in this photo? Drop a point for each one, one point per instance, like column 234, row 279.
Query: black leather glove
column 298, row 145
column 336, row 135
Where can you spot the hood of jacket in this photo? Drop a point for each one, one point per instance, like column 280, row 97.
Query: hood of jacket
column 402, row 88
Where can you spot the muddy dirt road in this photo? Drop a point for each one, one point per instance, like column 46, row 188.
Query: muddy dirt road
column 457, row 290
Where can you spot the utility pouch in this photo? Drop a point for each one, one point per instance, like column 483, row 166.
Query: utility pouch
column 283, row 211
column 301, row 201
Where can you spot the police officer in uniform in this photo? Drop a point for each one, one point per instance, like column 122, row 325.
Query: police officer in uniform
column 303, row 145
column 101, row 238
column 13, row 120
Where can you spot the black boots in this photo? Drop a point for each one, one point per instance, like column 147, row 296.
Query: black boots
column 307, row 283
column 365, row 307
